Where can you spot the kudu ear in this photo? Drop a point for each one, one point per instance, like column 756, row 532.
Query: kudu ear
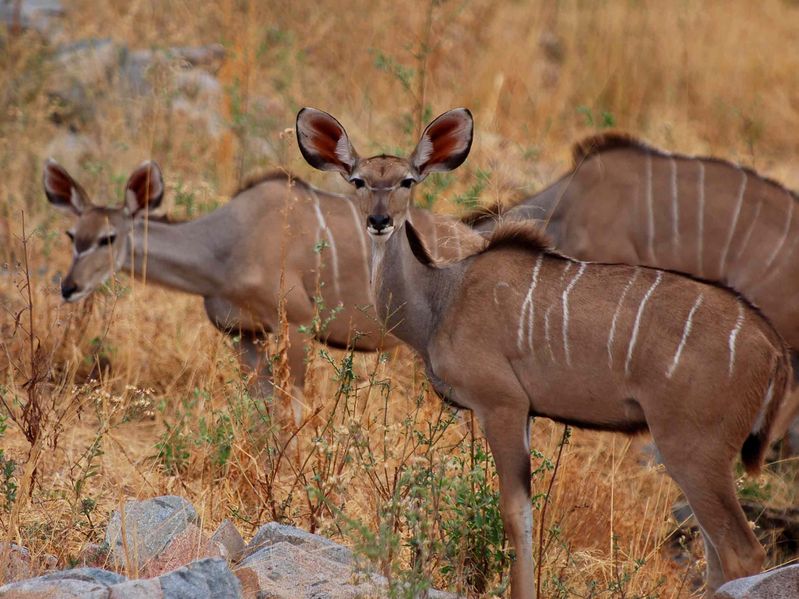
column 62, row 190
column 445, row 143
column 144, row 189
column 324, row 142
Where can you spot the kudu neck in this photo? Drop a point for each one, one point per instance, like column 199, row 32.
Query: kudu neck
column 408, row 294
column 179, row 256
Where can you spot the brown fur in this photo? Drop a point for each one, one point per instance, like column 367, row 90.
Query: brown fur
column 516, row 330
column 519, row 234
column 273, row 175
column 604, row 142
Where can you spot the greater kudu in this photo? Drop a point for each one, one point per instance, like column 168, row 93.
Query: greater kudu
column 233, row 258
column 626, row 201
column 518, row 330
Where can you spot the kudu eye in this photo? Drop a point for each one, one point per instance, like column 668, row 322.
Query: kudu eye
column 358, row 183
column 106, row 240
column 408, row 182
column 71, row 236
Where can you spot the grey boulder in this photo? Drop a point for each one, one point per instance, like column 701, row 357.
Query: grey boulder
column 149, row 527
column 782, row 583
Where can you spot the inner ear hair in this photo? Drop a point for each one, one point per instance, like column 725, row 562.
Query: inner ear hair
column 324, row 143
column 61, row 189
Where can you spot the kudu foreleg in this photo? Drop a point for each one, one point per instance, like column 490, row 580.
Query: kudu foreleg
column 507, row 431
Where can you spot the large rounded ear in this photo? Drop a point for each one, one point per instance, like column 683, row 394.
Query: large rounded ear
column 324, row 142
column 62, row 190
column 445, row 143
column 144, row 189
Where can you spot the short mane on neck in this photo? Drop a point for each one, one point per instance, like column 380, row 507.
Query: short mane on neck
column 525, row 235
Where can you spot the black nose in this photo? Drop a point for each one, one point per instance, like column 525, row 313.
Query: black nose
column 378, row 222
column 68, row 288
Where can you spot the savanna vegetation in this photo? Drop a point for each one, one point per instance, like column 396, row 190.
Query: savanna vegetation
column 132, row 393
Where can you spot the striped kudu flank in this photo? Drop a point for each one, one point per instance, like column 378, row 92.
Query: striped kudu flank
column 625, row 201
column 233, row 257
column 517, row 330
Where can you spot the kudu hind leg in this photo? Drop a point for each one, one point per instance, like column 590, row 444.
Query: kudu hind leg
column 508, row 435
column 705, row 476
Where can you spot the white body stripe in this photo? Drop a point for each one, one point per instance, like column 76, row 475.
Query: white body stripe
column 613, row 323
column 733, row 224
column 637, row 324
column 565, row 299
column 785, row 232
column 748, row 235
column 734, row 336
column 547, row 338
column 761, row 415
column 686, row 331
column 675, row 207
column 700, row 217
column 528, row 308
column 359, row 227
column 333, row 253
column 650, row 209
column 565, row 271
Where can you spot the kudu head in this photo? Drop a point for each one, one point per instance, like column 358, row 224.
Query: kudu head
column 383, row 184
column 100, row 237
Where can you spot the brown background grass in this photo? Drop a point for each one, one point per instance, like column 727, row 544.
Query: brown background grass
column 699, row 77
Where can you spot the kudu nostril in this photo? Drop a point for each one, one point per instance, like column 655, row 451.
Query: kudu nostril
column 378, row 222
column 68, row 288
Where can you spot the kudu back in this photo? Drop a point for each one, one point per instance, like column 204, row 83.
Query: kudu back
column 233, row 258
column 626, row 201
column 518, row 330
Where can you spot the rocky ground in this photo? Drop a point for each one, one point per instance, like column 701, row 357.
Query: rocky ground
column 161, row 547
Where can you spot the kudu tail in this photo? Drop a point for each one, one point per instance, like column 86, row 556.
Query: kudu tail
column 754, row 448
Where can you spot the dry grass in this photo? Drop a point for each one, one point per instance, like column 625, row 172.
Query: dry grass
column 710, row 77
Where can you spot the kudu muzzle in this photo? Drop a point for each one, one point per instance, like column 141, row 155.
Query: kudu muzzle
column 68, row 288
column 377, row 224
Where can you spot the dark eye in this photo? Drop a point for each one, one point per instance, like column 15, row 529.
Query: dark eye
column 358, row 183
column 71, row 236
column 107, row 240
column 406, row 183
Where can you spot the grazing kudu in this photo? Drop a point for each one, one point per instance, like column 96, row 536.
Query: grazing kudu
column 518, row 330
column 233, row 258
column 625, row 201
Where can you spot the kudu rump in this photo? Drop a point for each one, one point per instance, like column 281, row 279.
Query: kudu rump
column 518, row 330
column 233, row 257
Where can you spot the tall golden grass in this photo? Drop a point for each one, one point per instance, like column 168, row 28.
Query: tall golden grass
column 709, row 77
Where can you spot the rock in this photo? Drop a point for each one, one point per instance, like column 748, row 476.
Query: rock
column 15, row 562
column 147, row 588
column 187, row 546
column 205, row 579
column 149, row 527
column 288, row 563
column 229, row 536
column 80, row 583
column 84, row 71
column 72, row 150
column 782, row 583
column 273, row 533
column 198, row 98
column 38, row 15
column 285, row 570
